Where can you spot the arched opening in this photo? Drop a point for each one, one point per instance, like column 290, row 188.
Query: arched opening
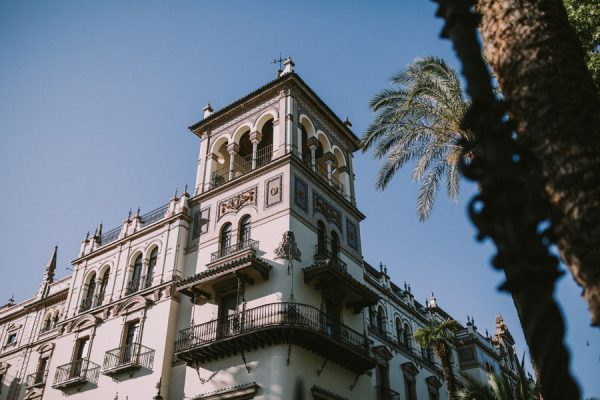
column 399, row 335
column 321, row 239
column 103, row 286
column 225, row 239
column 47, row 323
column 136, row 276
column 55, row 320
column 88, row 299
column 340, row 178
column 151, row 266
column 406, row 335
column 306, row 157
column 243, row 163
column 380, row 320
column 264, row 151
column 335, row 247
column 221, row 165
column 244, row 231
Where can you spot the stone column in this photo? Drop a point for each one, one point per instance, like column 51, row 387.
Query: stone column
column 329, row 158
column 313, row 145
column 232, row 148
column 255, row 138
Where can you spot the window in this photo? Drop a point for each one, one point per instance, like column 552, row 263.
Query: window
column 54, row 320
column 151, row 267
column 136, row 276
column 79, row 357
column 335, row 246
column 47, row 323
column 380, row 320
column 40, row 371
column 399, row 333
column 410, row 387
column 88, row 299
column 227, row 309
column 406, row 335
column 103, row 285
column 132, row 330
column 333, row 311
column 244, row 230
column 383, row 382
column 12, row 339
column 321, row 238
column 225, row 239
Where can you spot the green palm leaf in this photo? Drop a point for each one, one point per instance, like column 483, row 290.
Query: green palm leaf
column 418, row 121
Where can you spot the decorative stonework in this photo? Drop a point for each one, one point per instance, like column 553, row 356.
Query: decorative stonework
column 300, row 193
column 320, row 205
column 273, row 191
column 351, row 234
column 233, row 204
column 288, row 248
column 320, row 124
column 248, row 114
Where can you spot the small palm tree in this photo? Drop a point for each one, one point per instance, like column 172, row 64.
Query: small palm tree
column 499, row 388
column 419, row 120
column 439, row 337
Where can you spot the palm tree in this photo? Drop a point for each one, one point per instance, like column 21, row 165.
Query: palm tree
column 419, row 120
column 499, row 388
column 439, row 337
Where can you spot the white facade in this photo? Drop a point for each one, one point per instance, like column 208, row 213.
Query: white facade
column 254, row 286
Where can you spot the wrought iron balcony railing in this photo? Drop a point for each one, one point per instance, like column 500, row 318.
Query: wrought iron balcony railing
column 130, row 356
column 91, row 302
column 321, row 172
column 110, row 236
column 36, row 379
column 323, row 254
column 137, row 284
column 234, row 248
column 385, row 393
column 242, row 166
column 75, row 373
column 154, row 215
column 271, row 323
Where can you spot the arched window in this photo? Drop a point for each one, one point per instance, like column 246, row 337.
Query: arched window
column 225, row 238
column 380, row 320
column 87, row 302
column 244, row 231
column 151, row 266
column 103, row 285
column 399, row 331
column 305, row 149
column 47, row 323
column 335, row 246
column 372, row 317
column 406, row 335
column 321, row 238
column 136, row 276
column 54, row 320
column 264, row 151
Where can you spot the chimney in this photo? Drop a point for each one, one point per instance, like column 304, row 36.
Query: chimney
column 288, row 65
column 208, row 110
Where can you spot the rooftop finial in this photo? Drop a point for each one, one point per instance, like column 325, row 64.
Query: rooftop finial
column 288, row 65
column 347, row 122
column 208, row 110
column 185, row 191
column 129, row 215
column 137, row 214
column 280, row 62
column 11, row 301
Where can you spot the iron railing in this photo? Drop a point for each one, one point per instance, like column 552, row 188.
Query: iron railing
column 110, row 236
column 154, row 215
column 36, row 379
column 91, row 302
column 137, row 284
column 284, row 314
column 322, row 254
column 322, row 173
column 78, row 371
column 235, row 248
column 385, row 393
column 242, row 166
column 133, row 354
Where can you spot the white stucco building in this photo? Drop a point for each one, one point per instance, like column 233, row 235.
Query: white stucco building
column 250, row 286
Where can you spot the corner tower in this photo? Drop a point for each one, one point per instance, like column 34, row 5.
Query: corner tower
column 273, row 292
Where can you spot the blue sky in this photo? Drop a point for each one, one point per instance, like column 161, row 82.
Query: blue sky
column 96, row 98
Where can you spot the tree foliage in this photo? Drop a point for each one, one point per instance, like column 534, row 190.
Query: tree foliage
column 418, row 120
column 584, row 16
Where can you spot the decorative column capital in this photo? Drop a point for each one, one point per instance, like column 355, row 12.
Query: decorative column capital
column 329, row 157
column 255, row 137
column 312, row 142
column 233, row 147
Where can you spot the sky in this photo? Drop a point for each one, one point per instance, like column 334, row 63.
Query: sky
column 96, row 98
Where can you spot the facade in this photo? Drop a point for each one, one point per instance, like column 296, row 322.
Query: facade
column 252, row 286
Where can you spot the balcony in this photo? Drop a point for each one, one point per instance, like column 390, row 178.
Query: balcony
column 75, row 373
column 271, row 324
column 249, row 246
column 321, row 172
column 228, row 264
column 329, row 272
column 35, row 380
column 385, row 393
column 127, row 358
column 137, row 284
column 242, row 166
column 91, row 302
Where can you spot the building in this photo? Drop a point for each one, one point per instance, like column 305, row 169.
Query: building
column 251, row 286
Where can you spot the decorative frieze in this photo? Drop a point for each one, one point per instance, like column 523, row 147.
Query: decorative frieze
column 351, row 234
column 234, row 203
column 331, row 214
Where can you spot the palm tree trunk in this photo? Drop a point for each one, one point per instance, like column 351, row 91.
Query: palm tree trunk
column 443, row 352
column 539, row 64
